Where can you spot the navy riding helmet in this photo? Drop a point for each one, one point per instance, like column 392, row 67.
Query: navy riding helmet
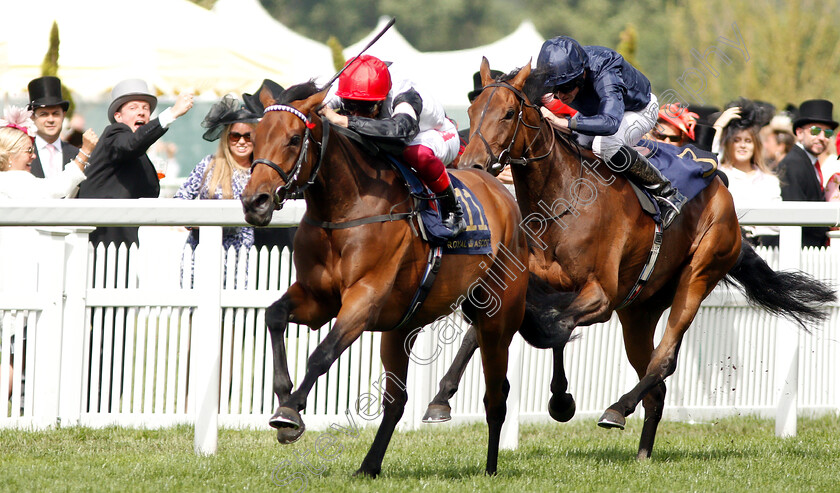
column 563, row 59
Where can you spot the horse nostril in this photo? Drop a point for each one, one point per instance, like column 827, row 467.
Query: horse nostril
column 256, row 202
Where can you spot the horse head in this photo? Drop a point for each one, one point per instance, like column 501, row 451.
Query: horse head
column 282, row 161
column 501, row 119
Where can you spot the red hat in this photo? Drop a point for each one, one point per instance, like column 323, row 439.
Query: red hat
column 680, row 117
column 366, row 79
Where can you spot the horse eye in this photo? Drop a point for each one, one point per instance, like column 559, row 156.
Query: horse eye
column 508, row 115
column 295, row 140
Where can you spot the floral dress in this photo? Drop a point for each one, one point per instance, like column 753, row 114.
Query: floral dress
column 196, row 187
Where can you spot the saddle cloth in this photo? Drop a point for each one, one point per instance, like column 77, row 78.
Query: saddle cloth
column 690, row 170
column 475, row 240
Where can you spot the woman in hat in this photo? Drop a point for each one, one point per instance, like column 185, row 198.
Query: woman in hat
column 675, row 125
column 742, row 159
column 17, row 138
column 223, row 175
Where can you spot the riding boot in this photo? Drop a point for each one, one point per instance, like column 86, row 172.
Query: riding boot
column 451, row 212
column 641, row 171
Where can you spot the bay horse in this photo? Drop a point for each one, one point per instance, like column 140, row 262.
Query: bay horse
column 589, row 236
column 358, row 260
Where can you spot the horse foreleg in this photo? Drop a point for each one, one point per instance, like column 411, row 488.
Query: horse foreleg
column 494, row 358
column 439, row 409
column 394, row 355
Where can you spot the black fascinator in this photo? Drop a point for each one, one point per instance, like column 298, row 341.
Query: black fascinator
column 753, row 114
column 226, row 112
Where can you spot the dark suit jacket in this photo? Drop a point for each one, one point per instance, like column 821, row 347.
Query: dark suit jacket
column 68, row 152
column 120, row 169
column 799, row 182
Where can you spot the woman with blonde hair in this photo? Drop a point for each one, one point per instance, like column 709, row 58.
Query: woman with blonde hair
column 750, row 180
column 224, row 174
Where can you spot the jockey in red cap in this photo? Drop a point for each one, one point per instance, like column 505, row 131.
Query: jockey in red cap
column 392, row 110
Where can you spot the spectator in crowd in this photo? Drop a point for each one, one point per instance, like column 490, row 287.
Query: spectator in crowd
column 119, row 167
column 223, row 175
column 777, row 139
column 49, row 108
column 675, row 125
column 800, row 171
column 17, row 152
column 750, row 181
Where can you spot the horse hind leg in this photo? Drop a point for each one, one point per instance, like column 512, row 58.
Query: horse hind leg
column 439, row 410
column 561, row 405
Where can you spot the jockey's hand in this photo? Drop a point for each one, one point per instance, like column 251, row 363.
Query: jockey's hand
column 333, row 117
column 726, row 117
column 182, row 105
column 560, row 124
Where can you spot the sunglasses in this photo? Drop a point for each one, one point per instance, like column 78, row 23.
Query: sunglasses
column 235, row 136
column 815, row 130
column 667, row 138
column 569, row 86
column 28, row 150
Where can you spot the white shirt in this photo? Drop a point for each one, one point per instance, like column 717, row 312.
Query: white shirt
column 753, row 188
column 19, row 184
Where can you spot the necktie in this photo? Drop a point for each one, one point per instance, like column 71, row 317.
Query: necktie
column 819, row 174
column 52, row 165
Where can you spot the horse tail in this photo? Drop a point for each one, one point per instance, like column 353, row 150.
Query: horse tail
column 543, row 325
column 794, row 295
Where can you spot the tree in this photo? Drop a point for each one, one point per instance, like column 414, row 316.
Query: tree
column 49, row 67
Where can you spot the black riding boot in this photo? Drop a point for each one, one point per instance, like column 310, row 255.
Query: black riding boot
column 640, row 170
column 451, row 212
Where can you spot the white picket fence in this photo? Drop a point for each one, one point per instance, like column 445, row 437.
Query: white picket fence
column 113, row 338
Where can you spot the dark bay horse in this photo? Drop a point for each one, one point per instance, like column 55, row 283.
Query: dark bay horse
column 359, row 261
column 588, row 235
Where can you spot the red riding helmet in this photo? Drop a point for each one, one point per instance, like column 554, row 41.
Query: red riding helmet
column 367, row 79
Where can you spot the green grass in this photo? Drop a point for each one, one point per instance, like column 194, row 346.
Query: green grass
column 739, row 454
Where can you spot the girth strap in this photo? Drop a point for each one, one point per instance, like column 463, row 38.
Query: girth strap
column 648, row 268
column 432, row 268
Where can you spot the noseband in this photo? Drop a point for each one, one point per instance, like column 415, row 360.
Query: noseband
column 503, row 159
column 290, row 178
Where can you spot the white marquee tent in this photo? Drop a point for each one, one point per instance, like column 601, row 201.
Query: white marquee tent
column 174, row 45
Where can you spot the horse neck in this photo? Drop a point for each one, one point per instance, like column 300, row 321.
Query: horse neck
column 549, row 178
column 342, row 188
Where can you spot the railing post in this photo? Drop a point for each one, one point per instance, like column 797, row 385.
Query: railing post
column 787, row 341
column 73, row 338
column 205, row 340
column 45, row 338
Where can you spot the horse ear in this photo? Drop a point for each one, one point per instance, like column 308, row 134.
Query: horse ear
column 266, row 97
column 486, row 78
column 313, row 101
column 519, row 81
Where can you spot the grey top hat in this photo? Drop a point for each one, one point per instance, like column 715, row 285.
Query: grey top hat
column 815, row 111
column 46, row 91
column 130, row 90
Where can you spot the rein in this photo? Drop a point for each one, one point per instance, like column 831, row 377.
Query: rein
column 503, row 159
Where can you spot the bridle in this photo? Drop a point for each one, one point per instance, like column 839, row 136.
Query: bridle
column 497, row 163
column 290, row 178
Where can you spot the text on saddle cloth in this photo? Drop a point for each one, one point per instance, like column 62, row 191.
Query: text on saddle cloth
column 475, row 240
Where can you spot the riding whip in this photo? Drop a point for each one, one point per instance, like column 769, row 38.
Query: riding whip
column 374, row 40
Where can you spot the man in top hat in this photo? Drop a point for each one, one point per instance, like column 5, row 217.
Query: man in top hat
column 800, row 171
column 119, row 167
column 48, row 108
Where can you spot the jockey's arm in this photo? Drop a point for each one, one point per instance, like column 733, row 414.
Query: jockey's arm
column 402, row 126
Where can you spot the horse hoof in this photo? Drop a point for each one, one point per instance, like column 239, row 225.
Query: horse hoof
column 437, row 413
column 289, row 435
column 561, row 407
column 611, row 419
column 286, row 417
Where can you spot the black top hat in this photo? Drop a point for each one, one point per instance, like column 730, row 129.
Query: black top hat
column 46, row 91
column 252, row 101
column 815, row 111
column 704, row 136
column 478, row 86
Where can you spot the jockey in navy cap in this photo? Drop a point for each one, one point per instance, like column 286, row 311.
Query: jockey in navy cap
column 615, row 109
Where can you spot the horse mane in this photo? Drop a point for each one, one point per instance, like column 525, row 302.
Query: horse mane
column 534, row 86
column 298, row 92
